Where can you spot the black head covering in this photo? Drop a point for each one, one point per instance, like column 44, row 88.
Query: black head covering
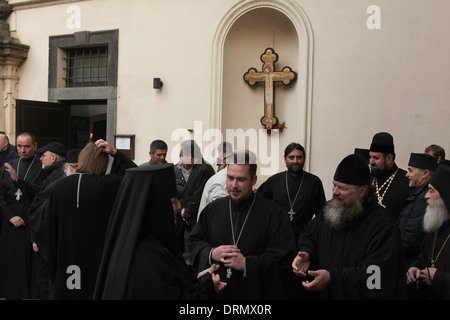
column 441, row 181
column 54, row 147
column 142, row 206
column 353, row 170
column 382, row 142
column 72, row 155
column 423, row 161
column 365, row 153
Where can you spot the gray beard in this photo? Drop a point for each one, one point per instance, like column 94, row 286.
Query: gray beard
column 338, row 216
column 435, row 215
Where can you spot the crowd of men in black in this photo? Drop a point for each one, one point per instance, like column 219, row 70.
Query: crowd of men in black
column 91, row 224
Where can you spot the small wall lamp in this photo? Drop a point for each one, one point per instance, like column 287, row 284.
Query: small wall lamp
column 157, row 83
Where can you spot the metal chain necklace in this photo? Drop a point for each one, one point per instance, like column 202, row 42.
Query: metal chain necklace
column 235, row 242
column 291, row 212
column 433, row 260
column 19, row 193
column 388, row 181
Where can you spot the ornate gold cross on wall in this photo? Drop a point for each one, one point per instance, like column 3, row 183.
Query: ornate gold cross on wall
column 268, row 75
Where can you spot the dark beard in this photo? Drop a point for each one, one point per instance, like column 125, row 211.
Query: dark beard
column 378, row 172
column 339, row 215
column 294, row 170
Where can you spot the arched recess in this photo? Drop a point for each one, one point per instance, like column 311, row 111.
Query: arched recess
column 299, row 20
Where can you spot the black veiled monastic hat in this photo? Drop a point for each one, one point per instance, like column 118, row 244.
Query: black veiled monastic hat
column 353, row 170
column 440, row 180
column 143, row 206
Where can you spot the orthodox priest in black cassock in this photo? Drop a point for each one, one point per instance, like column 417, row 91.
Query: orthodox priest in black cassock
column 79, row 211
column 16, row 252
column 298, row 192
column 141, row 259
column 363, row 253
column 391, row 185
column 306, row 195
column 433, row 262
column 266, row 241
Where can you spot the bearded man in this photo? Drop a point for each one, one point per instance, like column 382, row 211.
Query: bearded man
column 248, row 235
column 298, row 192
column 390, row 182
column 351, row 249
column 430, row 273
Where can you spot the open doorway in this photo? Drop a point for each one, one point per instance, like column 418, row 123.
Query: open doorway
column 72, row 123
column 87, row 121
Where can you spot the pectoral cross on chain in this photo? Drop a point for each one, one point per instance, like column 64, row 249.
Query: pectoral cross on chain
column 291, row 214
column 229, row 273
column 18, row 194
column 268, row 75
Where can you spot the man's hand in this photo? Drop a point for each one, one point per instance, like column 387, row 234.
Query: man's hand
column 412, row 275
column 17, row 221
column 321, row 280
column 301, row 264
column 12, row 172
column 427, row 275
column 230, row 256
column 107, row 148
column 218, row 285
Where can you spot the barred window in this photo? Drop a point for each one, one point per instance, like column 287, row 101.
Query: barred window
column 87, row 67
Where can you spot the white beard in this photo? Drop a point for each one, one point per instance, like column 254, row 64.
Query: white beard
column 435, row 215
column 67, row 171
column 339, row 215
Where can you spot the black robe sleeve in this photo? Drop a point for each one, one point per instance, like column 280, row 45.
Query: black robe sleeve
column 156, row 274
column 370, row 246
column 441, row 282
column 121, row 163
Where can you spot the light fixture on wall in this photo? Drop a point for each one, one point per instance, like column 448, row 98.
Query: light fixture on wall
column 157, row 83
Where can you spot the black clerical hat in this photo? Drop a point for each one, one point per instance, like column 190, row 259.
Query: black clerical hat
column 440, row 180
column 382, row 142
column 423, row 161
column 353, row 170
column 363, row 153
column 54, row 147
column 72, row 155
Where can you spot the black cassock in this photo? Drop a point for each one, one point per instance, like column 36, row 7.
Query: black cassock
column 357, row 255
column 16, row 253
column 410, row 223
column 79, row 210
column 267, row 243
column 310, row 199
column 440, row 288
column 397, row 192
column 141, row 259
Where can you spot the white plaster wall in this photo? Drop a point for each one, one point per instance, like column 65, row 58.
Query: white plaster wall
column 395, row 79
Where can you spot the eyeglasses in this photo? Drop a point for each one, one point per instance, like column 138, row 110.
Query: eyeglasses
column 341, row 189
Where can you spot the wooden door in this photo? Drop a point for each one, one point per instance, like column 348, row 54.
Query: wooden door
column 48, row 121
